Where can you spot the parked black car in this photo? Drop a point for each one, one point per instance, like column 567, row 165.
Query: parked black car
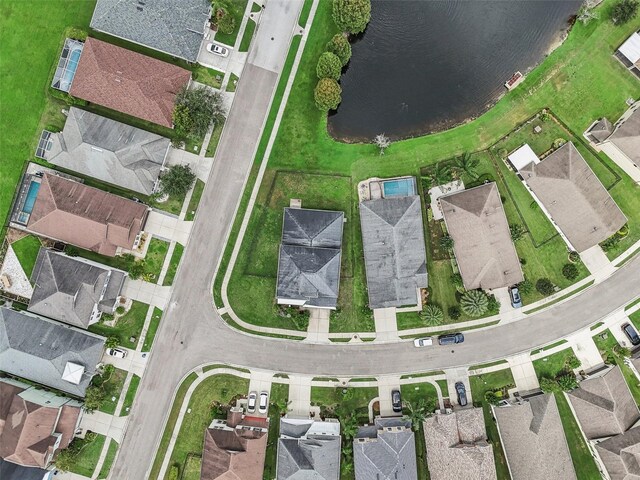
column 450, row 338
column 396, row 401
column 628, row 329
column 462, row 394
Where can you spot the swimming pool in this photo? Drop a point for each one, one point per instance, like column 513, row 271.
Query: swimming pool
column 32, row 194
column 401, row 187
column 67, row 65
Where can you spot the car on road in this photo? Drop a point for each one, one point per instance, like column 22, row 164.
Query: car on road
column 396, row 401
column 423, row 342
column 462, row 394
column 514, row 295
column 251, row 402
column 264, row 402
column 631, row 333
column 450, row 338
column 217, row 49
column 116, row 352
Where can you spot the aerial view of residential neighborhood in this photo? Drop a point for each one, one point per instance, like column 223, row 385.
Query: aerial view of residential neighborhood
column 320, row 240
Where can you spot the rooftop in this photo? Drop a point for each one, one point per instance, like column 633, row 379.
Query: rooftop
column 71, row 290
column 110, row 151
column 156, row 24
column 85, row 216
column 457, row 446
column 621, row 455
column 394, row 250
column 38, row 349
column 631, row 49
column 534, row 441
column 627, row 137
column 488, row 258
column 128, row 82
column 573, row 195
column 523, row 156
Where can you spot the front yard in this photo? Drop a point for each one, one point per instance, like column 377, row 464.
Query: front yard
column 82, row 455
column 111, row 385
column 129, row 326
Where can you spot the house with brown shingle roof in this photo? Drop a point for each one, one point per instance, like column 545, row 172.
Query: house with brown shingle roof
column 574, row 198
column 128, row 82
column 457, row 446
column 84, row 216
column 482, row 243
column 604, row 405
column 234, row 449
column 34, row 424
column 620, row 455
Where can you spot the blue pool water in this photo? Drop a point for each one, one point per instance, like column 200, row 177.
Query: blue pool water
column 70, row 72
column 31, row 197
column 401, row 187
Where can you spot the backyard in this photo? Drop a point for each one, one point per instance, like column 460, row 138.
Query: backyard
column 26, row 249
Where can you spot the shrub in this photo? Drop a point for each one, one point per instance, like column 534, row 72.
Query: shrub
column 517, row 231
column 544, row 116
column 567, row 382
column 352, row 15
column 623, row 11
column 570, row 271
column 610, row 243
column 534, row 205
column 573, row 362
column 120, row 310
column 71, row 251
column 456, row 279
column 136, row 269
column 327, row 94
column 549, row 385
column 94, row 396
column 340, row 46
column 574, row 257
column 491, row 398
column 225, row 21
column 624, row 230
column 525, row 287
column 446, row 242
column 111, row 342
column 544, row 286
column 474, row 303
column 329, row 66
column 174, row 472
column 76, row 34
column 502, row 153
column 432, row 315
column 558, row 142
column 454, row 313
column 177, row 180
column 493, row 305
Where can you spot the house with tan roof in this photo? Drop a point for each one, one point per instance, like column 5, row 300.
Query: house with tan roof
column 533, row 438
column 128, row 82
column 84, row 216
column 620, row 454
column 235, row 448
column 482, row 243
column 574, row 198
column 457, row 446
column 35, row 424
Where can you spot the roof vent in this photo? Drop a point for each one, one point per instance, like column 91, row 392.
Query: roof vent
column 73, row 373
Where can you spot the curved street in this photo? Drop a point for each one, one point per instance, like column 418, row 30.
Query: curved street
column 192, row 332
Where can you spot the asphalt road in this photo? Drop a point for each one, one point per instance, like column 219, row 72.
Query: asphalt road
column 192, row 333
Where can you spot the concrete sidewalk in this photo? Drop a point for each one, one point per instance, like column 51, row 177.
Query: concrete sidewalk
column 318, row 329
column 386, row 324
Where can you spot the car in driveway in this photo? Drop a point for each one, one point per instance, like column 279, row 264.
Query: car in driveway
column 264, row 402
column 396, row 401
column 450, row 338
column 514, row 295
column 218, row 50
column 116, row 352
column 631, row 334
column 462, row 394
column 423, row 342
column 251, row 402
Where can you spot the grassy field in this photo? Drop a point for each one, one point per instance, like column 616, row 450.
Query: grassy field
column 26, row 249
column 279, row 393
column 128, row 326
column 152, row 330
column 173, row 264
column 88, row 453
column 112, row 388
column 108, row 461
column 129, row 397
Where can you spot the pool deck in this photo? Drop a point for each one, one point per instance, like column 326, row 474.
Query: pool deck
column 372, row 189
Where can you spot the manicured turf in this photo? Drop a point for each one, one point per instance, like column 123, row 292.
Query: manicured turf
column 233, row 82
column 108, row 461
column 208, row 76
column 129, row 397
column 195, row 200
column 247, row 36
column 173, row 264
column 86, row 460
column 26, row 249
column 153, row 328
column 112, row 388
column 192, row 468
column 213, row 144
column 553, row 365
column 128, row 326
column 279, row 392
column 237, row 8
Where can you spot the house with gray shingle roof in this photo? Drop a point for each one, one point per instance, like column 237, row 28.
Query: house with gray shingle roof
column 385, row 450
column 621, row 455
column 72, row 290
column 308, row 449
column 169, row 26
column 310, row 255
column 110, row 151
column 47, row 352
column 533, row 438
column 457, row 446
column 394, row 250
column 604, row 405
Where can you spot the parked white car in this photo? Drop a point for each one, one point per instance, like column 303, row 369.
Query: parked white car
column 264, row 402
column 116, row 352
column 218, row 49
column 423, row 342
column 251, row 403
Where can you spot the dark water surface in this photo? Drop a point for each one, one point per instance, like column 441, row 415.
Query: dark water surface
column 424, row 66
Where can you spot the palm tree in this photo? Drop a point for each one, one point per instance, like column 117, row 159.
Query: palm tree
column 418, row 412
column 467, row 164
column 440, row 175
column 474, row 303
column 432, row 315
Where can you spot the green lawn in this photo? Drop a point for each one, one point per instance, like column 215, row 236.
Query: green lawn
column 218, row 388
column 152, row 330
column 635, row 319
column 247, row 36
column 208, row 76
column 112, row 387
column 108, row 461
column 233, row 83
column 480, row 384
column 192, row 468
column 195, row 200
column 554, row 364
column 129, row 397
column 213, row 142
column 26, row 249
column 86, row 453
column 237, row 8
column 128, row 326
column 173, row 264
column 279, row 393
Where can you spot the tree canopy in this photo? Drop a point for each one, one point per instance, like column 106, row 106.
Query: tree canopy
column 329, row 66
column 624, row 11
column 340, row 46
column 327, row 94
column 352, row 15
column 195, row 110
column 177, row 180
